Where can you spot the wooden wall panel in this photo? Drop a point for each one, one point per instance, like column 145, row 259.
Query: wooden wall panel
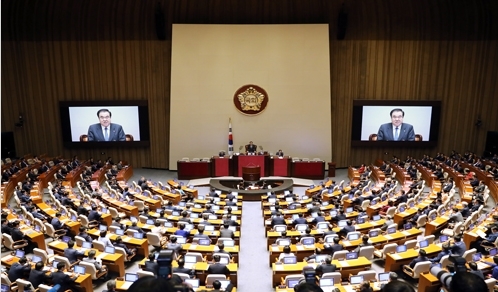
column 55, row 50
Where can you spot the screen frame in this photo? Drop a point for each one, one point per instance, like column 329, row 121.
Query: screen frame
column 357, row 121
column 143, row 117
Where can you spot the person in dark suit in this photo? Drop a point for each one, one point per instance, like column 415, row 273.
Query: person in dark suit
column 181, row 268
column 38, row 276
column 300, row 220
column 327, row 267
column 280, row 153
column 319, row 218
column 348, row 228
column 446, row 251
column 151, row 265
column 19, row 270
column 217, row 268
column 84, row 234
column 72, row 254
column 94, row 214
column 56, row 222
column 396, row 130
column 66, row 281
column 422, row 257
column 105, row 130
column 277, row 220
column 334, row 247
column 458, row 248
column 181, row 231
column 251, row 148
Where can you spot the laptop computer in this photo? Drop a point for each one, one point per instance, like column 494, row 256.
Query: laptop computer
column 391, row 230
column 54, row 264
column 292, row 283
column 376, row 217
column 476, row 257
column 283, row 242
column 79, row 270
column 327, row 282
column 19, row 253
column 190, row 259
column 35, row 259
column 86, row 245
column 110, row 249
column 354, row 236
column 401, row 248
column 342, row 223
column 280, row 228
column 383, row 277
column 301, row 227
column 360, row 220
column 181, row 240
column 289, row 260
column 195, row 283
column 102, row 227
column 204, row 242
column 351, row 256
column 349, row 210
column 224, row 260
column 5, row 288
column 194, row 215
column 407, row 226
column 138, row 235
column 373, row 233
column 402, row 209
column 355, row 280
column 492, row 252
column 308, row 241
column 423, row 243
column 229, row 243
column 66, row 239
column 150, row 221
column 131, row 277
column 119, row 232
column 320, row 258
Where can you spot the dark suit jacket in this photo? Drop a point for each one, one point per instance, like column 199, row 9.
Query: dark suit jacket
column 251, row 148
column 151, row 267
column 64, row 280
column 72, row 254
column 116, row 133
column 406, row 133
column 325, row 268
column 18, row 271
column 218, row 268
column 277, row 221
column 418, row 260
column 38, row 277
column 183, row 270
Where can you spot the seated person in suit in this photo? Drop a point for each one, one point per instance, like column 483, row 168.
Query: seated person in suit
column 458, row 248
column 105, row 130
column 38, row 276
column 280, row 153
column 277, row 220
column 217, row 267
column 97, row 263
column 422, row 257
column 119, row 243
column 221, row 249
column 152, row 266
column 389, row 221
column 251, row 148
column 396, row 130
column 286, row 253
column 364, row 242
column 326, row 267
column 135, row 227
column 65, row 281
column 72, row 254
column 348, row 228
column 181, row 268
column 102, row 238
column 181, row 231
column 19, row 270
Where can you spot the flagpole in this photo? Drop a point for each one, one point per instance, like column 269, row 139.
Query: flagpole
column 230, row 137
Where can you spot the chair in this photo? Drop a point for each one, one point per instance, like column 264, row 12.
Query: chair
column 142, row 273
column 79, row 240
column 468, row 254
column 421, row 267
column 198, row 256
column 43, row 255
column 289, row 278
column 9, row 243
column 445, row 260
column 340, row 255
column 21, row 284
column 455, row 231
column 115, row 214
column 367, row 251
column 411, row 243
column 44, row 288
column 333, row 275
column 90, row 269
column 390, row 212
column 421, row 221
column 491, row 282
column 222, row 255
column 368, row 275
column 63, row 259
column 154, row 240
column 388, row 248
column 130, row 232
column 87, row 223
column 6, row 281
column 213, row 277
column 365, row 204
column 140, row 205
column 430, row 238
column 182, row 275
column 196, row 159
column 122, row 251
column 98, row 245
column 142, row 219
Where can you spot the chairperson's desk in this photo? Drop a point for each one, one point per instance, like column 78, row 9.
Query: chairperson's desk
column 395, row 261
column 142, row 245
column 83, row 282
column 115, row 262
column 346, row 268
column 201, row 270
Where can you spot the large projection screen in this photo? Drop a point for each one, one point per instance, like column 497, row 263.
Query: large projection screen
column 209, row 64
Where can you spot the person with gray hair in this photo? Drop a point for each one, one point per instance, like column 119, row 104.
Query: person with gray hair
column 392, row 277
column 111, row 286
column 97, row 263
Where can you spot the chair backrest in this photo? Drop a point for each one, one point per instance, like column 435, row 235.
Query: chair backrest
column 44, row 288
column 84, row 220
column 340, row 255
column 63, row 260
column 79, row 240
column 391, row 211
column 367, row 251
column 333, row 275
column 422, row 220
column 98, row 245
column 89, row 269
column 411, row 243
column 142, row 273
column 368, row 275
column 294, row 278
column 182, row 275
column 8, row 241
column 114, row 213
column 21, row 284
column 365, row 204
column 140, row 205
column 198, row 256
column 491, row 282
column 5, row 279
column 213, row 277
column 42, row 254
column 222, row 255
column 430, row 238
column 121, row 250
column 389, row 248
column 445, row 260
column 468, row 254
column 153, row 239
column 421, row 267
column 142, row 219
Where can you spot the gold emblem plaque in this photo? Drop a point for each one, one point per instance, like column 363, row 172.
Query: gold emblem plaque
column 250, row 99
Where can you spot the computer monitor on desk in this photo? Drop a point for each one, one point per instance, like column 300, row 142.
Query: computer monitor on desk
column 355, row 280
column 401, row 248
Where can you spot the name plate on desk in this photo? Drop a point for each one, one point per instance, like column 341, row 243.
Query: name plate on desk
column 279, row 267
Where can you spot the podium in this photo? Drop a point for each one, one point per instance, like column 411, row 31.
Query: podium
column 280, row 166
column 263, row 161
column 221, row 166
column 251, row 173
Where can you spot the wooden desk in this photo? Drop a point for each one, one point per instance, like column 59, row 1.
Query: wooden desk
column 343, row 288
column 354, row 175
column 209, row 249
column 83, row 282
column 48, row 176
column 395, row 261
column 435, row 225
column 114, row 262
column 428, row 283
column 345, row 267
column 142, row 245
column 300, row 251
column 74, row 175
column 33, row 236
column 47, row 210
column 193, row 169
column 122, row 286
column 280, row 166
column 120, row 206
column 125, row 173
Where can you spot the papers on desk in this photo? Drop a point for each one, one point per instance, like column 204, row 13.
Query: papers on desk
column 279, row 267
column 126, row 239
column 299, row 247
column 309, row 246
column 344, row 264
column 481, row 233
column 482, row 266
column 126, row 285
column 406, row 232
column 388, row 237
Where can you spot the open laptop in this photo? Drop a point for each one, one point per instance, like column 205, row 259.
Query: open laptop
column 138, row 235
column 476, row 257
column 102, row 227
column 308, row 241
column 492, row 252
column 204, row 242
column 119, row 232
column 131, row 277
column 373, row 233
column 19, row 253
column 443, row 238
column 229, row 243
column 342, row 223
column 110, row 249
column 86, row 245
column 391, row 230
column 320, row 258
column 150, row 221
column 189, row 259
column 376, row 217
column 407, row 226
column 356, row 280
column 292, row 283
column 349, row 210
column 280, row 228
column 66, row 239
column 289, row 260
column 401, row 248
column 195, row 283
column 354, row 236
column 284, row 242
column 79, row 269
column 423, row 243
column 35, row 259
column 327, row 284
column 383, row 277
column 351, row 256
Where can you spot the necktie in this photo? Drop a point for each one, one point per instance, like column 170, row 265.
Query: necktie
column 106, row 134
column 396, row 134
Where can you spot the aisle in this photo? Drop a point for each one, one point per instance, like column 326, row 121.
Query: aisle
column 254, row 274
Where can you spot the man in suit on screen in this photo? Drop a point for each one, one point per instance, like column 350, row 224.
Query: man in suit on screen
column 396, row 130
column 105, row 130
